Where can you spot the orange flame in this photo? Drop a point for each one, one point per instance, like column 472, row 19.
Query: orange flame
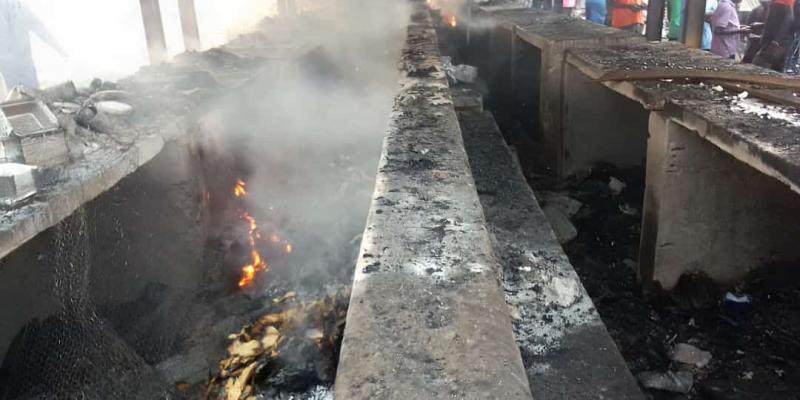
column 453, row 21
column 257, row 262
column 240, row 189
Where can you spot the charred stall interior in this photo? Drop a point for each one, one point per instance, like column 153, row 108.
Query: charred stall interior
column 222, row 266
column 741, row 333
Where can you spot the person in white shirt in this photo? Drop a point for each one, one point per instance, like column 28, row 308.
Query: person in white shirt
column 17, row 22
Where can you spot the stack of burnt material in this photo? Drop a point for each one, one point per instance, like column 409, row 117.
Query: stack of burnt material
column 44, row 132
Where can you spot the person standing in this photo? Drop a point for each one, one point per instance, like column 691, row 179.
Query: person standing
column 711, row 6
column 777, row 38
column 17, row 22
column 792, row 60
column 726, row 28
column 675, row 11
column 755, row 21
column 628, row 15
column 596, row 11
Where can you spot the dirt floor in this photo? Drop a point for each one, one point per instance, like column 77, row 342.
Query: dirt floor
column 755, row 349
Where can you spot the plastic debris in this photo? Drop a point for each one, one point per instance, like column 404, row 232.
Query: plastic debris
column 670, row 381
column 564, row 229
column 685, row 353
column 616, row 185
column 459, row 73
column 737, row 307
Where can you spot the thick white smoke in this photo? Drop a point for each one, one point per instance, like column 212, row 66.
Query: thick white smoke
column 105, row 38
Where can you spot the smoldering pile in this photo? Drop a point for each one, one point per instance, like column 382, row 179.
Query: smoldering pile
column 291, row 349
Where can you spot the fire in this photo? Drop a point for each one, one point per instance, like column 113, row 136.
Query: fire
column 257, row 263
column 240, row 190
column 453, row 21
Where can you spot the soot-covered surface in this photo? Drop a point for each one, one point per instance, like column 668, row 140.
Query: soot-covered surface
column 755, row 351
column 135, row 296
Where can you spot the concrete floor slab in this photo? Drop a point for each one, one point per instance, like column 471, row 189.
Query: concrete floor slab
column 568, row 353
column 427, row 319
column 753, row 131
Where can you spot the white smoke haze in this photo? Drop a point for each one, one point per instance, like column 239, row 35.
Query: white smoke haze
column 105, row 38
column 310, row 131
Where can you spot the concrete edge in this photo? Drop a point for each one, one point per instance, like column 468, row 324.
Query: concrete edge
column 96, row 178
column 756, row 157
column 427, row 318
column 567, row 351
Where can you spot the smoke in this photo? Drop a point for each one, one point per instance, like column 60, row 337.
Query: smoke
column 106, row 38
column 309, row 131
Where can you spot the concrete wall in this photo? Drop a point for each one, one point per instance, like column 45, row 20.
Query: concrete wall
column 600, row 125
column 149, row 229
column 706, row 211
column 526, row 84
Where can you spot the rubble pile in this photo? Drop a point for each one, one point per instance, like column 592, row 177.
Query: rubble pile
column 49, row 130
column 289, row 350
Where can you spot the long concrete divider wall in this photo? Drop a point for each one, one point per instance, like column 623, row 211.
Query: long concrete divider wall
column 427, row 317
column 723, row 170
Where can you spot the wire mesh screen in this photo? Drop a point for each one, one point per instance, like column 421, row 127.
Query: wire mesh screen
column 74, row 353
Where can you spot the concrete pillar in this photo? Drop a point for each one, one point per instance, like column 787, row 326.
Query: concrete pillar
column 154, row 30
column 287, row 8
column 693, row 23
column 655, row 20
column 705, row 211
column 191, row 33
column 596, row 124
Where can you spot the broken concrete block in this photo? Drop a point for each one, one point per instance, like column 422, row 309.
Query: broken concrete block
column 113, row 108
column 685, row 353
column 560, row 223
column 16, row 183
column 30, row 134
column 562, row 201
column 616, row 185
column 676, row 382
column 466, row 99
column 63, row 92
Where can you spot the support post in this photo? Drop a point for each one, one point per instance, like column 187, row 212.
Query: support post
column 291, row 8
column 693, row 23
column 706, row 211
column 191, row 33
column 655, row 20
column 154, row 30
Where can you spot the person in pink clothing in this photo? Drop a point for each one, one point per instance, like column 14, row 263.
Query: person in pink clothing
column 726, row 29
column 568, row 6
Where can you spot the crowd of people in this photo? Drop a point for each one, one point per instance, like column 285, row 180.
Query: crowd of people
column 769, row 37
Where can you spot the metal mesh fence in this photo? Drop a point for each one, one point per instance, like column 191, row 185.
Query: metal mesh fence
column 74, row 354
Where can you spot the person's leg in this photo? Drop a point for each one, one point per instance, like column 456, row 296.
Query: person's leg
column 20, row 73
column 776, row 17
column 794, row 56
column 595, row 12
column 753, row 44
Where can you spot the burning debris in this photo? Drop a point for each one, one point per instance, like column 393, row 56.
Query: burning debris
column 291, row 349
column 257, row 262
